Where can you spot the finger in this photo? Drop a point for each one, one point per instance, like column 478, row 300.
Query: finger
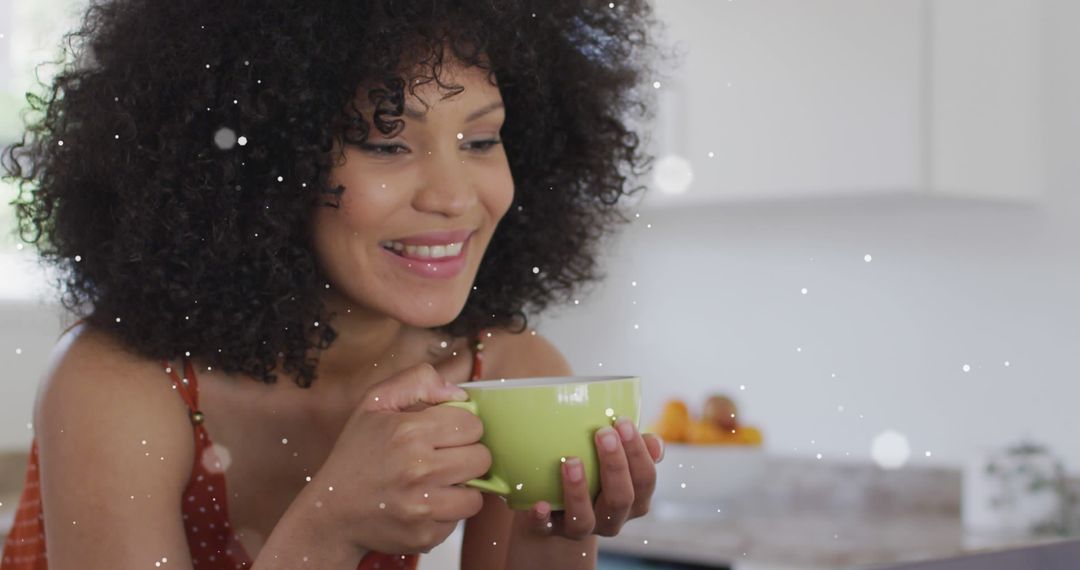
column 452, row 426
column 655, row 444
column 642, row 468
column 454, row 465
column 616, row 485
column 540, row 519
column 452, row 504
column 578, row 519
column 412, row 390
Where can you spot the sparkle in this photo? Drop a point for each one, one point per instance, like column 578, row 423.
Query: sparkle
column 224, row 138
column 284, row 440
column 656, row 84
column 609, row 412
column 382, row 505
column 460, row 136
column 519, row 486
column 78, row 258
column 1006, row 363
column 804, row 291
column 967, row 368
column 242, row 141
column 536, row 270
column 742, row 386
column 868, row 258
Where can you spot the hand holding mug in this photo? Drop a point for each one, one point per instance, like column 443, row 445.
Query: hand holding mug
column 395, row 469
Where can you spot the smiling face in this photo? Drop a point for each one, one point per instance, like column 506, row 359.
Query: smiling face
column 439, row 186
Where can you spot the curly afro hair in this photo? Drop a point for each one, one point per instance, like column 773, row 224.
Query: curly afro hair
column 175, row 238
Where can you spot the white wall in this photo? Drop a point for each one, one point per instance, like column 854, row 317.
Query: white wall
column 719, row 305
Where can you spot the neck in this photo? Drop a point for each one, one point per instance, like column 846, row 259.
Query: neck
column 366, row 342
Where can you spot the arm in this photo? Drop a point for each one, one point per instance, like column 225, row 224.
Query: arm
column 108, row 504
column 499, row 537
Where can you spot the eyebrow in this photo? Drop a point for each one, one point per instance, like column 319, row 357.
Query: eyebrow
column 417, row 116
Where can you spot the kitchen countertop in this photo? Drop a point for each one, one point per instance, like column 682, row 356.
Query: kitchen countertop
column 809, row 541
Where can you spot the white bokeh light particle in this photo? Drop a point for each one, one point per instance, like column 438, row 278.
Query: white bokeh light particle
column 225, row 138
column 673, row 174
column 890, row 449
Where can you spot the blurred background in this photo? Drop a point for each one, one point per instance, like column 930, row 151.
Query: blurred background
column 861, row 233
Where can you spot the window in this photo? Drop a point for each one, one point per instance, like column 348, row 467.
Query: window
column 30, row 34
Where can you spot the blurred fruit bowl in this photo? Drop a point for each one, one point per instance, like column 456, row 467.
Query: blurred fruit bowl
column 712, row 474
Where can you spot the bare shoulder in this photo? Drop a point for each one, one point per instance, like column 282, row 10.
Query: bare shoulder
column 90, row 367
column 110, row 425
column 523, row 354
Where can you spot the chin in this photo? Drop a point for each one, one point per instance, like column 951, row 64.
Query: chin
column 437, row 315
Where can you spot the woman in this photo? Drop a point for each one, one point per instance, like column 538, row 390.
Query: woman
column 361, row 196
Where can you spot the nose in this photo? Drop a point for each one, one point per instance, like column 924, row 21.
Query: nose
column 448, row 188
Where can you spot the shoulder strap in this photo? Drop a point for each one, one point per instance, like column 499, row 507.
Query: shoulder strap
column 478, row 348
column 188, row 386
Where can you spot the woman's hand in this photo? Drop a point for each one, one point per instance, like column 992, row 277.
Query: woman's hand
column 390, row 484
column 627, row 481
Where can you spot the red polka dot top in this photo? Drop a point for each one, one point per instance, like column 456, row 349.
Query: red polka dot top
column 211, row 538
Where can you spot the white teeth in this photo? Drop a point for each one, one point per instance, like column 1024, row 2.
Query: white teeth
column 425, row 251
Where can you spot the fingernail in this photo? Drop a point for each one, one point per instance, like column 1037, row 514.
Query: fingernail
column 457, row 393
column 575, row 470
column 607, row 439
column 626, row 429
column 660, row 440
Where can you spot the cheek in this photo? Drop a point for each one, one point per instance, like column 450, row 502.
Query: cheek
column 499, row 194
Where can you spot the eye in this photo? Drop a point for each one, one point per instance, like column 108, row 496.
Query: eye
column 382, row 149
column 484, row 146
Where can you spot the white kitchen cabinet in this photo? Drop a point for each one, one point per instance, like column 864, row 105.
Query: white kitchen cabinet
column 800, row 98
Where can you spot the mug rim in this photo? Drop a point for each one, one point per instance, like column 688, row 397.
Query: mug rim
column 544, row 381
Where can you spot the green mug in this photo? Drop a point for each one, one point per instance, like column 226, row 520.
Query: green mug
column 531, row 425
